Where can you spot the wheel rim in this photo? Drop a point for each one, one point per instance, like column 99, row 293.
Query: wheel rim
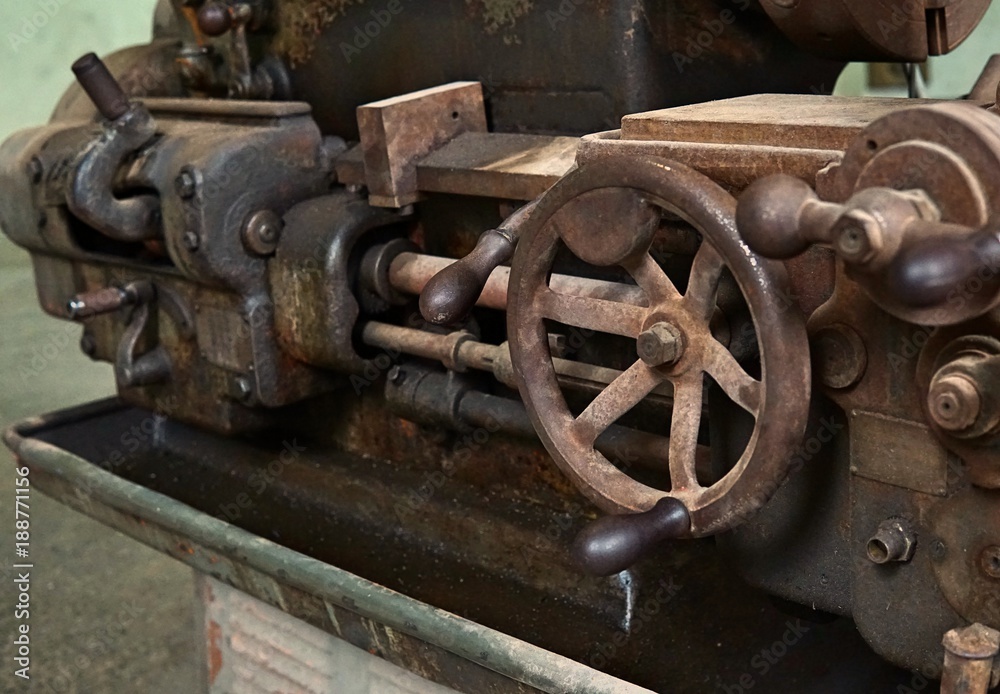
column 779, row 401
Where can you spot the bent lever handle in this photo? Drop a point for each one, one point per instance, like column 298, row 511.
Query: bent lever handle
column 614, row 543
column 452, row 293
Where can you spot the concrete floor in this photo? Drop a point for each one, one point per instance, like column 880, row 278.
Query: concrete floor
column 107, row 613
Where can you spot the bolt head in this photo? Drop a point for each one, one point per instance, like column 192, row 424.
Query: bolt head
column 262, row 232
column 186, row 184
column 893, row 541
column 954, row 402
column 857, row 236
column 661, row 344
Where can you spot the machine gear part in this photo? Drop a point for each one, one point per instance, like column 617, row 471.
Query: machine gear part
column 778, row 401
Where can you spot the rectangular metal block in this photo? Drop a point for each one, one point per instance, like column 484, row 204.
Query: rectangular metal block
column 397, row 132
column 782, row 120
column 898, row 452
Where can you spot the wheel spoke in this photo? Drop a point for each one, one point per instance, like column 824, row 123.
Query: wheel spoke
column 722, row 366
column 684, row 425
column 624, row 393
column 703, row 287
column 651, row 278
column 594, row 314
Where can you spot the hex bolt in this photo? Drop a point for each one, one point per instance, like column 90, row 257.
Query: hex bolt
column 857, row 236
column 186, row 184
column 954, row 402
column 989, row 561
column 893, row 541
column 661, row 344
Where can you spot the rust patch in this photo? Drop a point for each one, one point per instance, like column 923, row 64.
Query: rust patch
column 300, row 23
column 214, row 651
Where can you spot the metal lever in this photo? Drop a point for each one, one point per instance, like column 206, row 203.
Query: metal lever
column 108, row 300
column 893, row 243
column 90, row 191
column 614, row 543
column 450, row 295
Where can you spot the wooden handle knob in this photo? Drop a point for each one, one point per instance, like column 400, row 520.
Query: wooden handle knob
column 614, row 543
column 452, row 293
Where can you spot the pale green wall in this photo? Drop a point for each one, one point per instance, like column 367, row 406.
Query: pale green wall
column 40, row 39
column 951, row 75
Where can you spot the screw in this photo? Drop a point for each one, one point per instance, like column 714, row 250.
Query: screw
column 989, row 560
column 191, row 241
column 186, row 184
column 954, row 402
column 262, row 231
column 88, row 345
column 661, row 344
column 36, row 170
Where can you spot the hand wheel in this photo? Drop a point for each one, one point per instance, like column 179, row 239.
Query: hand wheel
column 615, row 199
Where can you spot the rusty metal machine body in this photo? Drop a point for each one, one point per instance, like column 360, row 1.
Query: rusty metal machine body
column 768, row 319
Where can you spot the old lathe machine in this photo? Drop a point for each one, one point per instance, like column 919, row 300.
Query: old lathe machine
column 579, row 346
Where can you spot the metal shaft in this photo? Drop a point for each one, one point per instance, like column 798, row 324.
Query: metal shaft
column 410, row 273
column 101, row 86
